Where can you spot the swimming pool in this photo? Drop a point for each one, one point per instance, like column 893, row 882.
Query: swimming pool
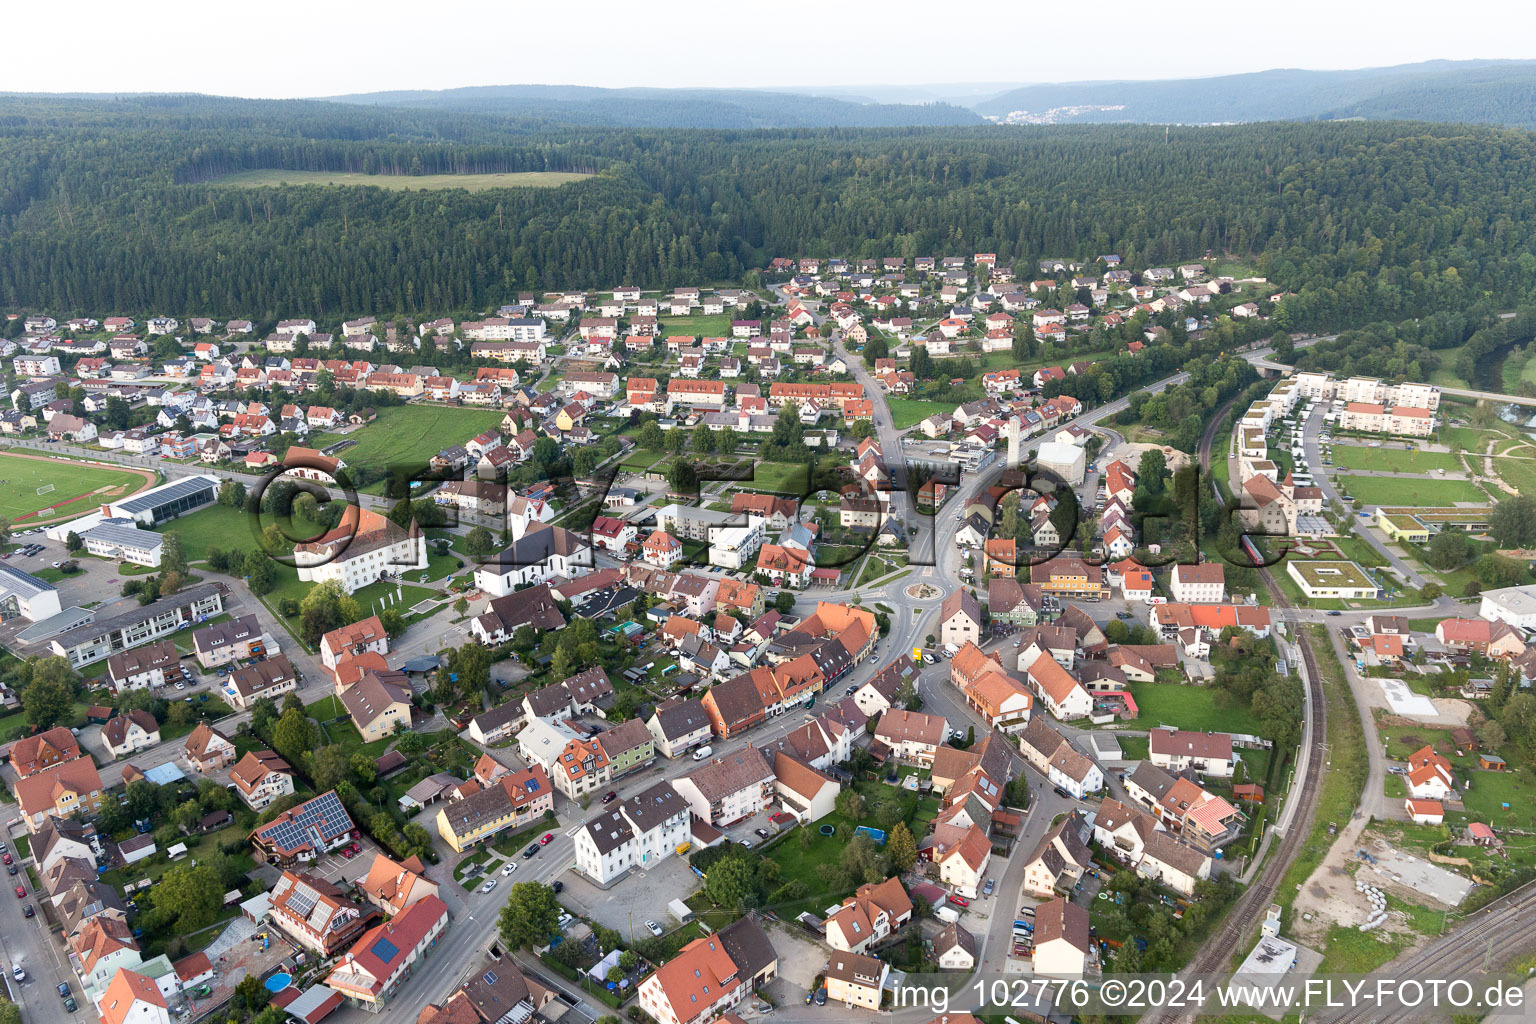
column 279, row 981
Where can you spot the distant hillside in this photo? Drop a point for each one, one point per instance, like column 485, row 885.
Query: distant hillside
column 1488, row 92
column 672, row 108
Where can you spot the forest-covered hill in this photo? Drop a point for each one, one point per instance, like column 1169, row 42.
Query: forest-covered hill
column 1479, row 92
column 116, row 206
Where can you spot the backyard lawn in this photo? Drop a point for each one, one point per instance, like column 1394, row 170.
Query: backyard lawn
column 1188, row 707
column 1487, row 793
column 1393, row 460
column 1390, row 490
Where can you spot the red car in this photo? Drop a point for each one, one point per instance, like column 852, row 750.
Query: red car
column 959, row 901
column 609, row 797
column 549, row 837
column 21, row 892
column 7, row 858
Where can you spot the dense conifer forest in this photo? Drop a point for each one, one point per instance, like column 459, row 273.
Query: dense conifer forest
column 116, row 206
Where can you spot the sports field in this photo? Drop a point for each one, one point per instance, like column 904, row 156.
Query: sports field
column 77, row 487
column 468, row 182
column 1400, row 490
column 409, row 435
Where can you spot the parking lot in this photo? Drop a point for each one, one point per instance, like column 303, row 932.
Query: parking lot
column 634, row 900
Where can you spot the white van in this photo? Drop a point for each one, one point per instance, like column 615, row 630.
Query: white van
column 703, row 752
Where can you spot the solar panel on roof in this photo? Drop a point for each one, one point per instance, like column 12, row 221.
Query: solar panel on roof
column 490, row 977
column 384, row 950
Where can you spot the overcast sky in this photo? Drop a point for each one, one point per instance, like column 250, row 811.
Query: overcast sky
column 285, row 48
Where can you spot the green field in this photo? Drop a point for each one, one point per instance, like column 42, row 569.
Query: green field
column 700, row 325
column 77, row 486
column 1390, row 490
column 1394, row 460
column 792, row 478
column 406, row 435
column 907, row 412
column 1188, row 707
column 1486, row 794
column 468, row 182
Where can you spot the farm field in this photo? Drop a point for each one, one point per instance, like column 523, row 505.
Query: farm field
column 468, row 182
column 410, row 434
column 77, row 487
column 1394, row 460
column 1388, row 490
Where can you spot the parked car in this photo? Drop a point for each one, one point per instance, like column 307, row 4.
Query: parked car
column 987, row 889
column 28, row 910
column 7, row 858
column 821, row 996
column 1063, row 793
column 653, row 928
column 703, row 752
column 610, row 796
column 958, row 900
column 557, row 887
column 11, row 869
column 18, row 973
column 63, row 989
column 548, row 838
column 762, row 832
column 508, row 868
column 531, row 851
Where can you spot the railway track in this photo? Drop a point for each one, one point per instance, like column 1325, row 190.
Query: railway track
column 1215, row 953
column 1506, row 923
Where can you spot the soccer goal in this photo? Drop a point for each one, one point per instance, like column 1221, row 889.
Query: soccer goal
column 45, row 489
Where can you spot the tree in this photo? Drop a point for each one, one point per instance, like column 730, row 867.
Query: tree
column 677, row 441
column 1513, row 522
column 850, row 804
column 732, row 883
column 294, row 736
column 1150, row 470
column 326, row 607
column 1491, row 735
column 531, row 915
column 50, row 698
column 329, row 766
column 260, row 573
column 232, row 494
column 703, row 439
column 901, row 848
column 392, row 621
column 784, row 602
column 480, row 543
column 461, row 606
column 1448, row 549
column 188, row 896
column 683, row 476
column 263, row 715
column 73, row 542
column 1430, row 591
column 172, row 557
column 651, row 437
